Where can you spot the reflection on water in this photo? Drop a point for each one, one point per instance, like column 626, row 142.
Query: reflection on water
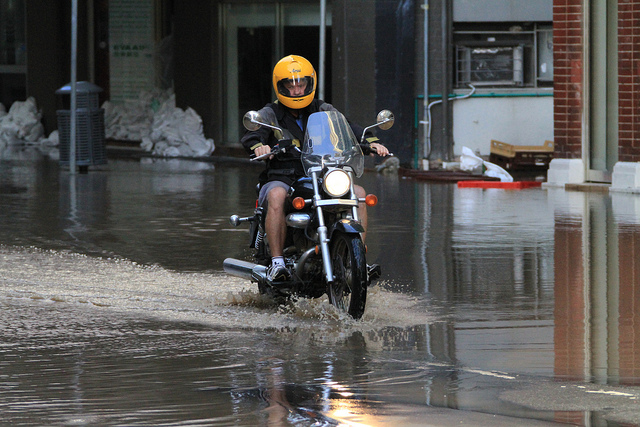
column 511, row 303
column 597, row 289
column 149, row 211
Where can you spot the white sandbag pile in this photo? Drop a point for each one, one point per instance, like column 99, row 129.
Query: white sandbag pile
column 132, row 120
column 21, row 125
column 164, row 129
column 152, row 118
column 52, row 141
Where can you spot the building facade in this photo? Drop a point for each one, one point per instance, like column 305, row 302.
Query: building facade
column 217, row 57
column 504, row 50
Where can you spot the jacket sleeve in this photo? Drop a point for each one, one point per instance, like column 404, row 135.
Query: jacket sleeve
column 369, row 137
column 253, row 139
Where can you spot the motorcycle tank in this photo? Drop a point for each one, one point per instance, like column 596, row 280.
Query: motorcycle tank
column 329, row 141
column 303, row 187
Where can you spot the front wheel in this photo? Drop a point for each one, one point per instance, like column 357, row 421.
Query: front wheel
column 348, row 291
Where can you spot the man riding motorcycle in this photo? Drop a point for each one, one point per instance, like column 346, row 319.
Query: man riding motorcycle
column 294, row 81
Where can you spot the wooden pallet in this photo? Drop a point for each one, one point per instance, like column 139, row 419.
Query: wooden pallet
column 511, row 157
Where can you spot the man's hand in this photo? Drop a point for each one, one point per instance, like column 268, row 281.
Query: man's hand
column 380, row 149
column 263, row 149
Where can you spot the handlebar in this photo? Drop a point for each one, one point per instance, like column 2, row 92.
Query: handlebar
column 255, row 158
column 374, row 150
column 277, row 149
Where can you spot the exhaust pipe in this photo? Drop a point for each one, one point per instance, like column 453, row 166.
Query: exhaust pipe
column 244, row 269
column 303, row 260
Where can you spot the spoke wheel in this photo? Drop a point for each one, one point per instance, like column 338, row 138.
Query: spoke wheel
column 348, row 291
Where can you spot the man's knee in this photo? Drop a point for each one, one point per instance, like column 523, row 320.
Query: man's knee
column 359, row 191
column 276, row 199
column 277, row 195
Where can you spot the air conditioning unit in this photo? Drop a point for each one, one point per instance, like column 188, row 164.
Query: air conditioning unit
column 490, row 65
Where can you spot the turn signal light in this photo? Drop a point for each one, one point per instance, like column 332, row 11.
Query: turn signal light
column 298, row 203
column 371, row 200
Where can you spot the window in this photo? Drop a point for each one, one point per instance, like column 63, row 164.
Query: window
column 12, row 33
column 13, row 54
column 503, row 55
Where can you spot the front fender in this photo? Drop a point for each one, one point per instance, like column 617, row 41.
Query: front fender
column 347, row 226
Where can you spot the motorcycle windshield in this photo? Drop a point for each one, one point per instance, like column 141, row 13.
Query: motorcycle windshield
column 329, row 141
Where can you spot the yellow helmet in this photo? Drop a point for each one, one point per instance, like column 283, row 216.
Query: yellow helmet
column 294, row 81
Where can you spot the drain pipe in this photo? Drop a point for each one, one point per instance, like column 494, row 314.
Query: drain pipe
column 427, row 147
column 323, row 47
column 425, row 112
column 74, row 66
column 445, row 78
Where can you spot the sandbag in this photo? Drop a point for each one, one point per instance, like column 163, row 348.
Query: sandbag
column 22, row 123
column 162, row 128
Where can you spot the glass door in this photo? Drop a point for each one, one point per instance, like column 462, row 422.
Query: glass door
column 255, row 37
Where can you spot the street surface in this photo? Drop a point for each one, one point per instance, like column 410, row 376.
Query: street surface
column 115, row 309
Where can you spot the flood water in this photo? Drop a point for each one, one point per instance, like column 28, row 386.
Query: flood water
column 495, row 307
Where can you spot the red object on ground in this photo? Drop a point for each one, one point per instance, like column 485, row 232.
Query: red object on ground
column 497, row 184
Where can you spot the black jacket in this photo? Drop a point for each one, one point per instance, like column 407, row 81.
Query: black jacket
column 287, row 167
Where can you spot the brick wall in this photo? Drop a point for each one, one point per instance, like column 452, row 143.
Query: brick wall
column 567, row 66
column 629, row 80
column 568, row 84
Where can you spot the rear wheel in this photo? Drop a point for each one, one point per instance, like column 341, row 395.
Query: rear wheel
column 348, row 291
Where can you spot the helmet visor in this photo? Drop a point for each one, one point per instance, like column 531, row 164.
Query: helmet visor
column 296, row 87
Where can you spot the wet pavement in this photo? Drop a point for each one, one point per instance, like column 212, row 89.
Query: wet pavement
column 495, row 307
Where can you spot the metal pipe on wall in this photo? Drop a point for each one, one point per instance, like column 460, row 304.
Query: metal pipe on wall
column 446, row 85
column 425, row 113
column 323, row 47
column 428, row 120
column 74, row 62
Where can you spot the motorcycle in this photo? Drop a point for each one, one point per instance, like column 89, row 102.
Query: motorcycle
column 324, row 250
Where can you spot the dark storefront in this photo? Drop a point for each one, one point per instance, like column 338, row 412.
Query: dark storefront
column 216, row 56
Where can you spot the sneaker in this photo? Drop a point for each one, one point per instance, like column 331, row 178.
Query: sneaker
column 278, row 273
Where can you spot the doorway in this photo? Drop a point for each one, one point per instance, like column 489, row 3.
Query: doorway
column 13, row 58
column 255, row 37
column 601, row 147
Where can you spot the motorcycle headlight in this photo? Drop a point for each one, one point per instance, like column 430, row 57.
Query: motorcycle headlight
column 336, row 183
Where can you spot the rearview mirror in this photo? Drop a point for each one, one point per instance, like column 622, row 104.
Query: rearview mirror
column 385, row 119
column 251, row 121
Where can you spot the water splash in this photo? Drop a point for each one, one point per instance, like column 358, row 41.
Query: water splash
column 217, row 299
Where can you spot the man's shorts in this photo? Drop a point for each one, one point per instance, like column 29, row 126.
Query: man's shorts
column 264, row 190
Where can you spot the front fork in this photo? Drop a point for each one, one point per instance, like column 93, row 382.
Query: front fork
column 354, row 196
column 322, row 230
